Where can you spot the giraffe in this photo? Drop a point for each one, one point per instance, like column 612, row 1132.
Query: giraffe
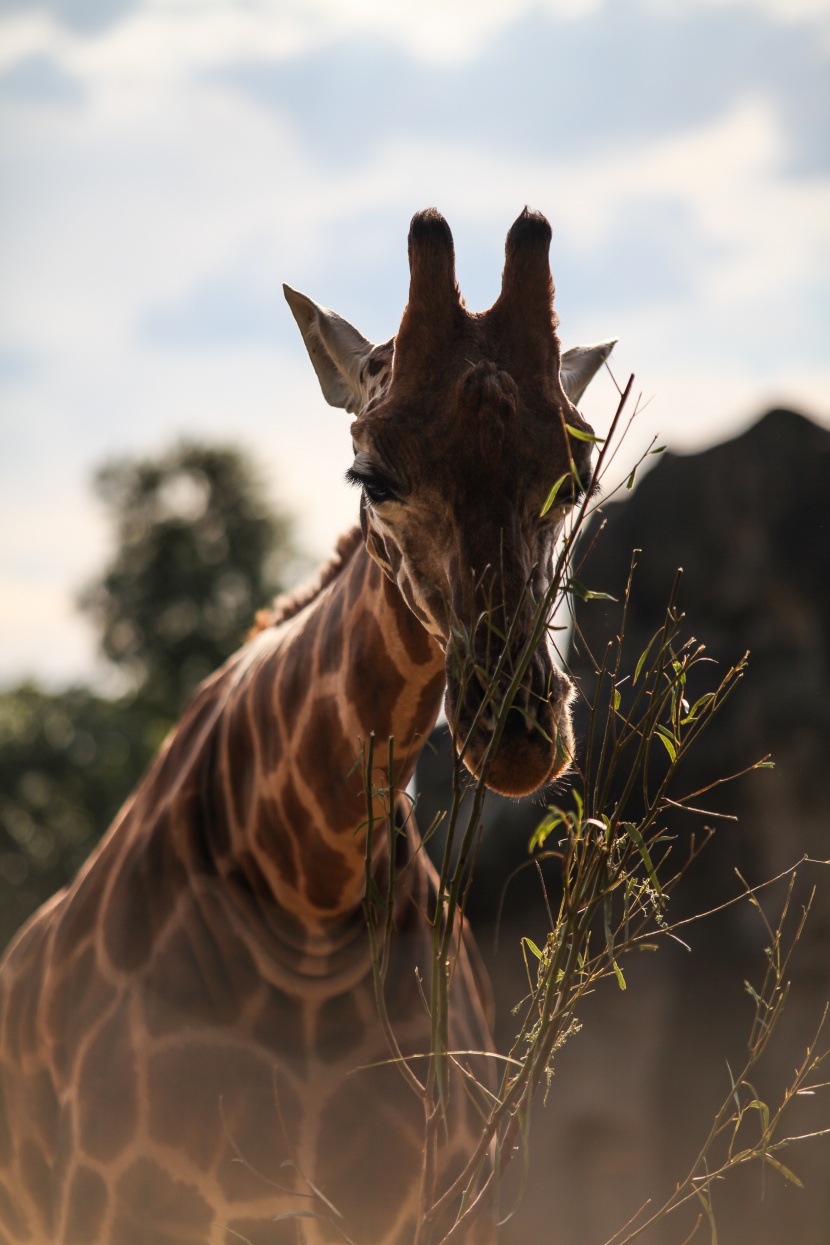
column 190, row 1045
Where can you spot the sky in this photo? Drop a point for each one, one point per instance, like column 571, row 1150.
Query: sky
column 166, row 164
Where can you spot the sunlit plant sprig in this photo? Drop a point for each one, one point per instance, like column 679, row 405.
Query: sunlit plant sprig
column 618, row 868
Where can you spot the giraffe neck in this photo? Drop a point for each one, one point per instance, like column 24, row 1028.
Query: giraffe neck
column 272, row 797
column 204, row 989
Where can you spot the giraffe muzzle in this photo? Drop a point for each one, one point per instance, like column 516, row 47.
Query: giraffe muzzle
column 516, row 738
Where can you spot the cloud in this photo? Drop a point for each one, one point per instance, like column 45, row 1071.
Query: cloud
column 39, row 79
column 231, row 308
column 550, row 89
column 16, row 365
column 83, row 17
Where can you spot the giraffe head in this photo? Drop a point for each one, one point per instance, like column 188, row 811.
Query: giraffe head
column 459, row 436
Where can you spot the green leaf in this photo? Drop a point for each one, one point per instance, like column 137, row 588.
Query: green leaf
column 667, row 741
column 586, row 594
column 581, row 435
column 616, row 698
column 701, row 700
column 763, row 1111
column 659, row 450
column 630, row 481
column 551, row 498
column 785, row 1171
column 643, row 657
column 619, row 972
column 548, row 824
column 532, row 946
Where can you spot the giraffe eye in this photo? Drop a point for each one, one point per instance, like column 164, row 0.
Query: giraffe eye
column 375, row 489
column 377, row 493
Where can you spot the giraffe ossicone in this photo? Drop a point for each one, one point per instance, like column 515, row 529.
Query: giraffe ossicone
column 190, row 1047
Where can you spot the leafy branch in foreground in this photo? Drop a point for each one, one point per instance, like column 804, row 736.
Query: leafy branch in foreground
column 618, row 863
column 744, row 1128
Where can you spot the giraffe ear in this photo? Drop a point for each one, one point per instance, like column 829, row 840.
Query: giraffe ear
column 579, row 366
column 335, row 348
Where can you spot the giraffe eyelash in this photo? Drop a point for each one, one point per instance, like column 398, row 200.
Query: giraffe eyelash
column 376, row 490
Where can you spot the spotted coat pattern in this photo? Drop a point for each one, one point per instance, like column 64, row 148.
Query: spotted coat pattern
column 190, row 1047
column 187, row 1031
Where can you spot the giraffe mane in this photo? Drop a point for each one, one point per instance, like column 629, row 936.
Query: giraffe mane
column 291, row 603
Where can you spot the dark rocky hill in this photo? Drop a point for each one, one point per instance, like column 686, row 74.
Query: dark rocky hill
column 749, row 523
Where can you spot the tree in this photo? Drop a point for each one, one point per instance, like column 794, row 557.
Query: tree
column 198, row 550
column 67, row 762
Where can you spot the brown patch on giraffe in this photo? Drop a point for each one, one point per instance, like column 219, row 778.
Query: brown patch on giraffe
column 325, row 884
column 330, row 643
column 45, row 1109
column 263, row 1124
column 409, row 596
column 86, row 1204
column 252, row 892
column 280, row 1028
column 202, row 809
column 153, row 1206
column 144, row 892
column 273, row 840
column 419, row 644
column 368, row 1182
column 340, row 796
column 374, row 576
column 370, row 668
column 339, row 1028
column 107, row 1077
column 12, row 1217
column 75, row 1004
column 263, row 1231
column 202, row 975
column 6, row 1142
column 296, row 675
column 324, row 871
column 191, row 735
column 78, row 920
column 402, row 993
column 36, row 1178
column 428, row 701
column 323, row 868
column 296, row 815
column 266, row 720
column 21, row 1036
column 357, row 578
column 215, row 1082
column 240, row 760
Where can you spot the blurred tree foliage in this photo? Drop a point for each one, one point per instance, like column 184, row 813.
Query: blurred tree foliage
column 67, row 762
column 198, row 550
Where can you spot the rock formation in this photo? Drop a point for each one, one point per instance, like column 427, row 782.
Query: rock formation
column 634, row 1092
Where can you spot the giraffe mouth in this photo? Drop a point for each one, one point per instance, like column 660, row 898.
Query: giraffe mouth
column 519, row 747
